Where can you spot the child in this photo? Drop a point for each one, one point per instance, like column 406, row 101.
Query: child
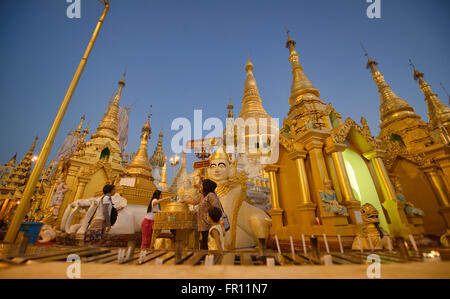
column 215, row 234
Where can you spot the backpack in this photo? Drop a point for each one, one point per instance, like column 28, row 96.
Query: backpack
column 114, row 213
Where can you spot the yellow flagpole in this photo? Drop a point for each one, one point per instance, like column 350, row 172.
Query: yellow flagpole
column 22, row 209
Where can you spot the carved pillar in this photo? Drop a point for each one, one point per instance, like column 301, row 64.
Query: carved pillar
column 82, row 182
column 444, row 164
column 440, row 191
column 398, row 225
column 314, row 141
column 4, row 207
column 335, row 150
column 276, row 212
column 306, row 208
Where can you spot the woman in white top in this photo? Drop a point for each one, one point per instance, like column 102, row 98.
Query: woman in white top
column 149, row 220
column 102, row 219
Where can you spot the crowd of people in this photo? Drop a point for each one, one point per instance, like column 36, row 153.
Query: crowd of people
column 210, row 224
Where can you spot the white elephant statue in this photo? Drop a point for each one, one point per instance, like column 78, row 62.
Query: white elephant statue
column 129, row 218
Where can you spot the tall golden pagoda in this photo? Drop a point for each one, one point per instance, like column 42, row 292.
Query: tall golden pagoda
column 96, row 162
column 320, row 154
column 411, row 152
column 158, row 159
column 137, row 184
column 252, row 112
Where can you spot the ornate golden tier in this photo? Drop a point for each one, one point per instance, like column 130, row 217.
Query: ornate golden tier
column 175, row 216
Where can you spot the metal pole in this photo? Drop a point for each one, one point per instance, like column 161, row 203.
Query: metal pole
column 21, row 211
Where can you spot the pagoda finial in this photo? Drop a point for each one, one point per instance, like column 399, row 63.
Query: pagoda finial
column 371, row 63
column 109, row 125
column 300, row 83
column 438, row 112
column 250, row 86
column 80, row 126
column 417, row 74
column 230, row 109
column 392, row 106
column 448, row 95
column 157, row 159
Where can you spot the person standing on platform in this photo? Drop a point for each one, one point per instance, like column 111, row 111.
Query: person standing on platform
column 149, row 220
column 102, row 220
column 208, row 200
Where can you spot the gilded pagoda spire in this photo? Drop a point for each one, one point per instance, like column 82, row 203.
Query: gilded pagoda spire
column 230, row 109
column 163, row 183
column 158, row 159
column 109, row 125
column 251, row 103
column 438, row 112
column 392, row 107
column 140, row 165
column 80, row 127
column 300, row 83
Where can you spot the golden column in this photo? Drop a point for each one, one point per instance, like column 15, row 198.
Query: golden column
column 306, row 207
column 397, row 225
column 314, row 141
column 441, row 192
column 444, row 164
column 335, row 150
column 82, row 182
column 276, row 212
column 22, row 209
column 4, row 208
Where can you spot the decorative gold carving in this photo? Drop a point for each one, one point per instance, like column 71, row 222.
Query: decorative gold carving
column 223, row 189
column 340, row 133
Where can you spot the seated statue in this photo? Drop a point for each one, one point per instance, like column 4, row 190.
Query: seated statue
column 331, row 205
column 410, row 209
column 371, row 229
column 249, row 224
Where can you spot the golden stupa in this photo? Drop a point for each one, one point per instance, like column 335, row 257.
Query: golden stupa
column 327, row 169
column 417, row 153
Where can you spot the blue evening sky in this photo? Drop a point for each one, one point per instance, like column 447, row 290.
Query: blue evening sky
column 186, row 55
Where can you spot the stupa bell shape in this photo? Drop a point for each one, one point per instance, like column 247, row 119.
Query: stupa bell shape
column 258, row 121
column 251, row 102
